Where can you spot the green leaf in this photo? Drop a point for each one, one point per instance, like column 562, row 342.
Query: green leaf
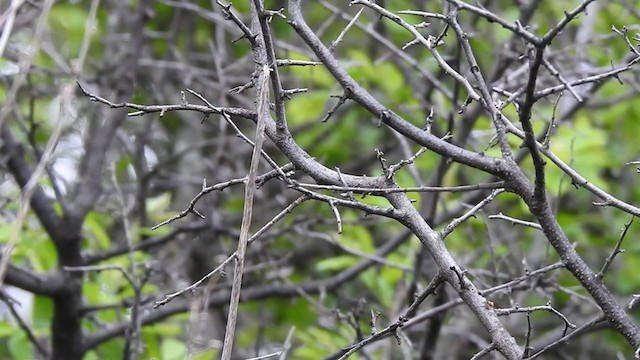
column 95, row 223
column 111, row 349
column 376, row 201
column 206, row 355
column 151, row 345
column 5, row 232
column 122, row 167
column 6, row 329
column 360, row 67
column 68, row 22
column 92, row 292
column 584, row 148
column 384, row 291
column 41, row 252
column 101, row 289
column 357, row 237
column 170, row 122
column 391, row 275
column 172, row 349
column 317, row 342
column 298, row 312
column 20, row 346
column 305, row 107
column 336, row 263
column 391, row 80
column 91, row 355
column 42, row 313
column 165, row 329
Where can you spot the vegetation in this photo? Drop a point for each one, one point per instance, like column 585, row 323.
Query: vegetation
column 319, row 179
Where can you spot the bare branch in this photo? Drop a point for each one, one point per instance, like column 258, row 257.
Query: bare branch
column 233, row 256
column 616, row 249
column 471, row 213
column 516, row 221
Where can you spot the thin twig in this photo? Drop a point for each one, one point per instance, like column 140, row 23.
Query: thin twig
column 530, row 309
column 402, row 319
column 566, row 338
column 266, row 356
column 457, row 221
column 250, row 188
column 547, row 64
column 287, row 344
column 9, row 303
column 482, row 353
column 515, row 221
column 616, row 249
column 338, row 40
column 220, row 186
column 231, row 257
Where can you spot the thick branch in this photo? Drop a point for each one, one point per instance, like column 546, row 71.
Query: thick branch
column 527, row 126
column 366, row 100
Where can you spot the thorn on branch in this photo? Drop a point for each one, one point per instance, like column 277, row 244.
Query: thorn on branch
column 374, row 319
column 383, row 115
column 348, row 194
column 440, row 39
column 383, row 164
column 634, row 301
column 552, row 123
column 336, row 213
column 397, row 336
column 287, row 93
column 410, row 43
column 575, row 184
column 464, row 106
column 243, row 36
column 229, row 15
column 242, row 88
column 394, row 168
column 429, row 121
column 334, row 108
column 460, row 274
column 269, row 14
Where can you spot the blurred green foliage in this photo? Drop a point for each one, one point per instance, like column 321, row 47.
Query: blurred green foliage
column 595, row 142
